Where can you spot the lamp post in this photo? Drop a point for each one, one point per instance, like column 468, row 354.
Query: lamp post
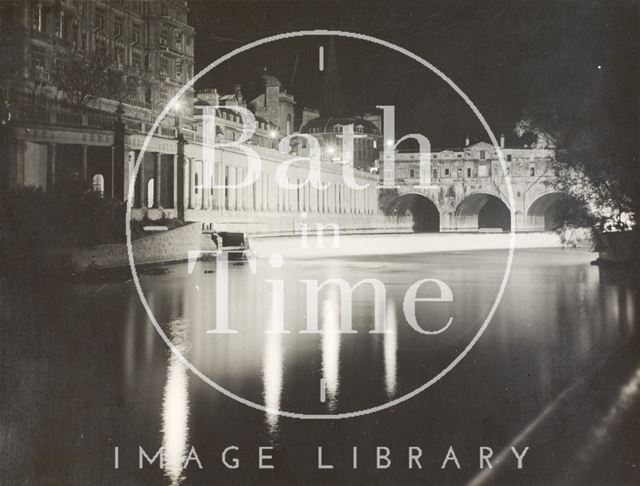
column 180, row 162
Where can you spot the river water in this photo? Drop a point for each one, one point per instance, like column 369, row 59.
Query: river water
column 84, row 371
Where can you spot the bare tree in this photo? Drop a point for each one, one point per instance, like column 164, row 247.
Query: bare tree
column 123, row 85
column 81, row 76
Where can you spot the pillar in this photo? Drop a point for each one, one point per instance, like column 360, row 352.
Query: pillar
column 190, row 176
column 175, row 181
column 157, row 181
column 84, row 163
column 113, row 175
column 51, row 166
column 206, row 183
column 142, row 187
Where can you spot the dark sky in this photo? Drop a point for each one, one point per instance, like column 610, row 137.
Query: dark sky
column 570, row 59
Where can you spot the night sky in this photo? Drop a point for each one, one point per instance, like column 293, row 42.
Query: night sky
column 574, row 62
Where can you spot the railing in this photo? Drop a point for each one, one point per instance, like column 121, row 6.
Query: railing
column 33, row 111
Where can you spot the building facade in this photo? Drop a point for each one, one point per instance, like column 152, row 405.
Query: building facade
column 367, row 139
column 151, row 37
column 469, row 191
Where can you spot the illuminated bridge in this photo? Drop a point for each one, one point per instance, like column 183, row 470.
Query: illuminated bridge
column 469, row 190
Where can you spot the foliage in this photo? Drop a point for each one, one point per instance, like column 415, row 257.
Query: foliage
column 34, row 222
column 386, row 200
column 123, row 85
column 607, row 209
column 81, row 77
column 84, row 77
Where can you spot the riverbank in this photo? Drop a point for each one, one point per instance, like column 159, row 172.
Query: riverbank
column 395, row 244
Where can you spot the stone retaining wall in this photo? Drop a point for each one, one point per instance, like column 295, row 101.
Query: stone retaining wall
column 161, row 247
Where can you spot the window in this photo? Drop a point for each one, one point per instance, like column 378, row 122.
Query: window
column 137, row 34
column 164, row 65
column 178, row 39
column 482, row 154
column 468, row 171
column 136, row 58
column 435, row 173
column 508, row 157
column 460, row 172
column 37, row 18
column 98, row 22
column 121, row 55
column 164, row 35
column 98, row 184
column 38, row 58
column 447, row 172
column 412, row 173
column 164, row 10
column 58, row 22
column 196, row 186
column 532, row 170
column 101, row 46
column 179, row 69
column 118, row 27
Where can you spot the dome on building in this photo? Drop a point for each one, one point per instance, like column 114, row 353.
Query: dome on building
column 270, row 80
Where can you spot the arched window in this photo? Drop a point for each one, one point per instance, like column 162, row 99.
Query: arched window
column 150, row 192
column 98, row 184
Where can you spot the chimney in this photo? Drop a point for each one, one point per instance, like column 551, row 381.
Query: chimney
column 466, row 141
column 502, row 140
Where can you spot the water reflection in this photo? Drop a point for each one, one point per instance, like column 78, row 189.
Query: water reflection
column 556, row 321
column 272, row 378
column 331, row 346
column 390, row 349
column 175, row 408
column 605, row 429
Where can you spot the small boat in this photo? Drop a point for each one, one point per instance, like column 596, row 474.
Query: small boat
column 234, row 245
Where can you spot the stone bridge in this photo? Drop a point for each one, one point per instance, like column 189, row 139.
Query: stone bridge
column 468, row 189
column 480, row 204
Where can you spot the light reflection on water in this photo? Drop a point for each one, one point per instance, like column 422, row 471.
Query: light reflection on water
column 273, row 370
column 254, row 362
column 390, row 350
column 331, row 347
column 175, row 407
column 558, row 317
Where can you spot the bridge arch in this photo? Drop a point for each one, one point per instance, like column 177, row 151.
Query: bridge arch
column 425, row 213
column 483, row 211
column 544, row 212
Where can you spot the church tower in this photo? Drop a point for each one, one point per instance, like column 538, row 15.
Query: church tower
column 332, row 97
